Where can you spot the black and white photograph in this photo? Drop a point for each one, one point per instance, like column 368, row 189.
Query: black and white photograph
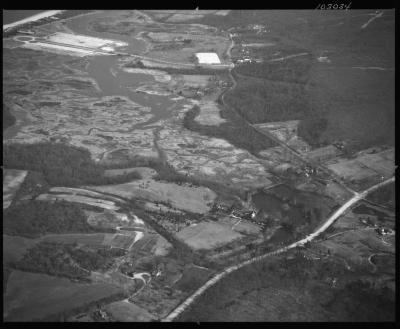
column 199, row 165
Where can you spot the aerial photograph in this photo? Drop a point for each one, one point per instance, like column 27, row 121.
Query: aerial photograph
column 199, row 165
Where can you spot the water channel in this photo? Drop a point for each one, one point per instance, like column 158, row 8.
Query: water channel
column 115, row 82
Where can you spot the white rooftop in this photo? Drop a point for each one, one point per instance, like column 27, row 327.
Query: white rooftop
column 208, row 58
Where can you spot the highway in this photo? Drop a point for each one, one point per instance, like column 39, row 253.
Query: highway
column 329, row 221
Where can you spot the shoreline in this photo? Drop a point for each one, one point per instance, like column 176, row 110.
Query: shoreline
column 36, row 17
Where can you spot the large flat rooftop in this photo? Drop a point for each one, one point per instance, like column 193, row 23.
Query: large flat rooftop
column 208, row 58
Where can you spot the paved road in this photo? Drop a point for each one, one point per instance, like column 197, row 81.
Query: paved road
column 357, row 197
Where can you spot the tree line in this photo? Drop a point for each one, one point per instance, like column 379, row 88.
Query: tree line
column 67, row 260
column 35, row 218
column 60, row 164
column 235, row 131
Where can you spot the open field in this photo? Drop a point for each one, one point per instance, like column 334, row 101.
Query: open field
column 241, row 226
column 207, row 235
column 185, row 197
column 192, row 277
column 365, row 166
column 209, row 114
column 12, row 180
column 32, row 297
column 124, row 311
column 124, row 241
column 162, row 247
column 195, row 81
column 110, row 205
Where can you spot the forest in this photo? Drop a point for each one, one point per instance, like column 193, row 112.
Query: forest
column 294, row 70
column 60, row 164
column 67, row 260
column 294, row 288
column 35, row 218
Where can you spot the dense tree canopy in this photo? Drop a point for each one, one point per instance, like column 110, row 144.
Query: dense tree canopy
column 35, row 218
column 67, row 260
column 60, row 164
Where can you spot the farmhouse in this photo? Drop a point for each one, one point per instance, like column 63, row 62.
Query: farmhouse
column 208, row 58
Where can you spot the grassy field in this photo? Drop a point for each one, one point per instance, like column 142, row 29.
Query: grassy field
column 31, row 296
column 122, row 241
column 207, row 235
column 181, row 196
column 193, row 277
column 128, row 312
column 365, row 166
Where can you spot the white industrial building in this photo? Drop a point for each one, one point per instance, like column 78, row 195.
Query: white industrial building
column 208, row 58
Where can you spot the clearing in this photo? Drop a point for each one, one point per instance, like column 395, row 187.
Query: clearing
column 209, row 114
column 207, row 235
column 183, row 196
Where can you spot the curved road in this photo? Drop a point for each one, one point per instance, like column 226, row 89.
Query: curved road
column 357, row 197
